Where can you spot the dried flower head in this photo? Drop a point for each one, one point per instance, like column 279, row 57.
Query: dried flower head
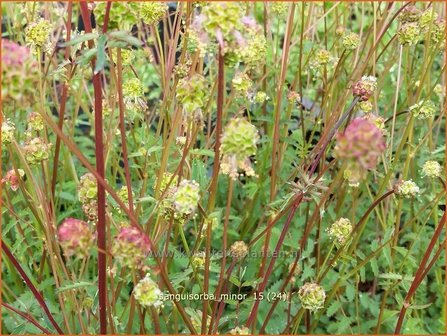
column 423, row 110
column 75, row 237
column 8, row 128
column 36, row 150
column 131, row 247
column 432, row 169
column 239, row 250
column 407, row 189
column 365, row 88
column 153, row 11
column 147, row 293
column 12, row 178
column 312, row 296
column 350, row 41
column 339, row 231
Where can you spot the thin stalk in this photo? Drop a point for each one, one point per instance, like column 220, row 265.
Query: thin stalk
column 30, row 285
column 27, row 317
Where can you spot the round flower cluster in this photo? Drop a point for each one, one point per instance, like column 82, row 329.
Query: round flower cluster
column 366, row 106
column 312, row 296
column 75, row 237
column 407, row 189
column 239, row 250
column 185, row 199
column 409, row 14
column 409, row 33
column 221, row 19
column 12, row 179
column 350, row 41
column 35, row 121
column 242, row 83
column 127, row 56
column 164, row 183
column 36, row 150
column 364, row 88
column 37, row 35
column 147, row 293
column 240, row 331
column 260, row 97
column 153, row 11
column 361, row 144
column 279, row 8
column 432, row 169
column 439, row 90
column 123, row 15
column 320, row 60
column 8, row 128
column 423, row 110
column 427, row 18
column 133, row 89
column 198, row 260
column 131, row 247
column 339, row 231
column 238, row 144
column 253, row 48
column 87, row 191
column 192, row 94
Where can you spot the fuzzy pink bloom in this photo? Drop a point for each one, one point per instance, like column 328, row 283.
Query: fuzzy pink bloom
column 13, row 54
column 12, row 179
column 131, row 247
column 362, row 142
column 360, row 145
column 75, row 237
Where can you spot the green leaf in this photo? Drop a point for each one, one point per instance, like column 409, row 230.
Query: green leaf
column 74, row 285
column 101, row 54
column 80, row 39
column 332, row 309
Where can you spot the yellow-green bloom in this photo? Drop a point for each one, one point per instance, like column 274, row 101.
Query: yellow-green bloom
column 153, row 11
column 432, row 169
column 350, row 41
column 147, row 293
column 340, row 230
column 186, row 197
column 37, row 34
column 407, row 189
column 36, row 150
column 312, row 296
column 424, row 109
column 409, row 33
column 8, row 129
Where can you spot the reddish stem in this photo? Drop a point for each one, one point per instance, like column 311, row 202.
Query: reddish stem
column 99, row 151
column 420, row 274
column 27, row 317
column 30, row 285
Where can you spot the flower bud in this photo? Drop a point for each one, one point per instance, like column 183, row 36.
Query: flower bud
column 364, row 88
column 240, row 331
column 75, row 237
column 186, row 197
column 192, row 94
column 312, row 296
column 409, row 14
column 350, row 41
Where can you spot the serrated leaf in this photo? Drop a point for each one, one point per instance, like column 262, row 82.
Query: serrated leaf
column 80, row 39
column 74, row 285
column 333, row 307
column 101, row 54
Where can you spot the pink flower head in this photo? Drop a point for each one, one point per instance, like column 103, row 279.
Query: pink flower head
column 75, row 237
column 362, row 141
column 13, row 54
column 12, row 179
column 131, row 247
